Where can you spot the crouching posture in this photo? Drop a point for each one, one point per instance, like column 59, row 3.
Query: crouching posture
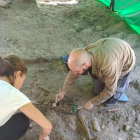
column 14, row 125
column 109, row 61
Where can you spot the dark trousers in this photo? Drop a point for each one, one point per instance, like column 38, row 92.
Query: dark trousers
column 14, row 128
column 122, row 85
column 112, row 3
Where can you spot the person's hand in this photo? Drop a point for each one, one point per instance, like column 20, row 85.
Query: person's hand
column 41, row 138
column 59, row 97
column 47, row 138
column 88, row 105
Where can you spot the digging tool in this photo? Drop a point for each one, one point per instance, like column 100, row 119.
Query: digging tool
column 60, row 100
column 109, row 110
column 70, row 113
column 74, row 109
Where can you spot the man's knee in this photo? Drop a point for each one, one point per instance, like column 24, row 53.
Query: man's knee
column 123, row 83
column 98, row 87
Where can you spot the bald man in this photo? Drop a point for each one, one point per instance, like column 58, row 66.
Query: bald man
column 109, row 61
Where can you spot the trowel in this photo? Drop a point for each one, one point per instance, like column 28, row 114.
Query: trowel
column 74, row 109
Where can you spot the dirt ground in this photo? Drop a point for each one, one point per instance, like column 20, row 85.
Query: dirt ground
column 41, row 34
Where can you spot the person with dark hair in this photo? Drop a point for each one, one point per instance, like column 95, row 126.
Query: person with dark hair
column 14, row 125
column 109, row 61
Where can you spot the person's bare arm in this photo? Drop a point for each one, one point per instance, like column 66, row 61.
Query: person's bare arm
column 67, row 84
column 70, row 79
column 34, row 114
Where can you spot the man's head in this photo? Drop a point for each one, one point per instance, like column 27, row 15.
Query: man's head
column 79, row 61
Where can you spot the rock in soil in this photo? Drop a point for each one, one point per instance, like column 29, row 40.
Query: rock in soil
column 95, row 125
column 5, row 4
column 126, row 127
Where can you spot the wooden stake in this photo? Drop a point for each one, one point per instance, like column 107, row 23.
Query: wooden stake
column 44, row 89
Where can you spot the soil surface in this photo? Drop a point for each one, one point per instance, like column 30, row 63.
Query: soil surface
column 41, row 34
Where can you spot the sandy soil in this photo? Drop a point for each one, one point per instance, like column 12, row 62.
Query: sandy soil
column 40, row 35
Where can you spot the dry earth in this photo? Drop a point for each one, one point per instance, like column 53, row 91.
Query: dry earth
column 40, row 35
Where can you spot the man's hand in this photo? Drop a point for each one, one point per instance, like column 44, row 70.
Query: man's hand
column 88, row 105
column 59, row 97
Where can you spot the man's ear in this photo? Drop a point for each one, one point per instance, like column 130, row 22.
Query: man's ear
column 85, row 66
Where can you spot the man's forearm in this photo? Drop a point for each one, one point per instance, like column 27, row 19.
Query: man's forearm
column 69, row 81
column 102, row 97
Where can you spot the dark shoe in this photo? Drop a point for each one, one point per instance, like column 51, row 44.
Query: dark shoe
column 113, row 99
column 117, row 97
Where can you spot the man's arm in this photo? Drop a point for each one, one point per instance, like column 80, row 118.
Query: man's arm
column 67, row 84
column 69, row 81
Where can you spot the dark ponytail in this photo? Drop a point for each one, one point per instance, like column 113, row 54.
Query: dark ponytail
column 10, row 64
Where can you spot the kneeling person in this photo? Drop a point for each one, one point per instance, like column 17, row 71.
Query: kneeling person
column 14, row 125
column 109, row 61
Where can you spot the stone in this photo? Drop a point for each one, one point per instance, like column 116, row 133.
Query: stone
column 86, row 32
column 72, row 31
column 5, row 4
column 8, row 39
column 102, row 126
column 95, row 125
column 105, row 35
column 45, row 103
column 54, row 105
column 126, row 127
column 77, row 27
column 14, row 42
column 98, row 28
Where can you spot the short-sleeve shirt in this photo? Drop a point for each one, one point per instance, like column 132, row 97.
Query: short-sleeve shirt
column 11, row 99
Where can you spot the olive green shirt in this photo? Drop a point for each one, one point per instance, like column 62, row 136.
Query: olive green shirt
column 112, row 58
